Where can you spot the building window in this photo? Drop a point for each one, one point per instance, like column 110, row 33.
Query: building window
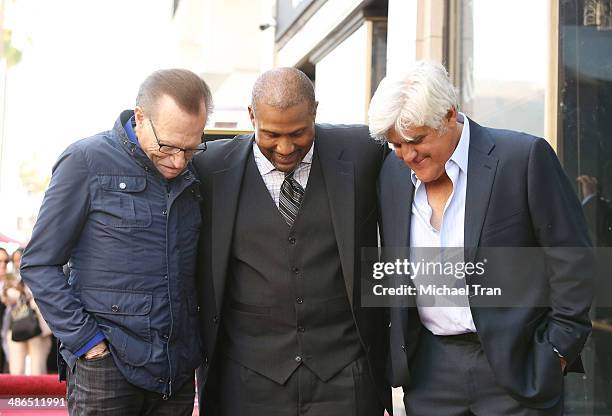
column 498, row 57
column 585, row 147
column 348, row 72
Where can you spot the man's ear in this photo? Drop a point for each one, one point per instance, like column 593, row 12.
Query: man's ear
column 451, row 115
column 314, row 110
column 139, row 116
column 252, row 115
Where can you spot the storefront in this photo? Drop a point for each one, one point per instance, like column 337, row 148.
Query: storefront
column 341, row 44
column 543, row 67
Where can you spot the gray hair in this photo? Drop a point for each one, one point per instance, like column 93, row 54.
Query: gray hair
column 420, row 97
column 188, row 90
column 282, row 88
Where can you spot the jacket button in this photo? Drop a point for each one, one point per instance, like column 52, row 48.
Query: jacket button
column 198, row 308
column 292, row 240
column 403, row 348
column 298, row 359
column 299, row 300
column 122, row 185
column 164, row 211
column 295, row 270
column 301, row 329
column 205, row 361
column 215, row 319
column 115, row 308
column 165, row 337
column 165, row 277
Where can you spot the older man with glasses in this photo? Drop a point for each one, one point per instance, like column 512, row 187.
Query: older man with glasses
column 123, row 209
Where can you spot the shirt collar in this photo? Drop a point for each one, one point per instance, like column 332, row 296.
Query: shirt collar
column 265, row 166
column 129, row 130
column 461, row 153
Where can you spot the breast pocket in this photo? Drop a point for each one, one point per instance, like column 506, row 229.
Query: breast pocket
column 513, row 220
column 123, row 201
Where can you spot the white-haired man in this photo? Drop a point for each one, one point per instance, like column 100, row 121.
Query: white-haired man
column 453, row 183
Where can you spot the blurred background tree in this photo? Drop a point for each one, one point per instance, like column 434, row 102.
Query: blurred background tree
column 10, row 53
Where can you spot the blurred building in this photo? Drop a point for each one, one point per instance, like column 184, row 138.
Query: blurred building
column 76, row 74
column 223, row 42
column 539, row 66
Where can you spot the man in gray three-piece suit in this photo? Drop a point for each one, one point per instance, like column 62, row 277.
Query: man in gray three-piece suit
column 285, row 213
column 453, row 183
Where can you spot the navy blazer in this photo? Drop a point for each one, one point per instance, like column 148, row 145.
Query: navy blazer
column 517, row 196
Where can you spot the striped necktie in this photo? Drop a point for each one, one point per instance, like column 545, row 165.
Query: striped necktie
column 290, row 199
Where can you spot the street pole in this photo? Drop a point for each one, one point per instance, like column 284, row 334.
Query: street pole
column 4, row 69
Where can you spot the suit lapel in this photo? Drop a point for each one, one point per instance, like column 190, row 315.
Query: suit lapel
column 402, row 195
column 397, row 202
column 481, row 174
column 400, row 220
column 226, row 191
column 339, row 180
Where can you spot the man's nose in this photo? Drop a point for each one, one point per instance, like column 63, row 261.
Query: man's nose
column 285, row 147
column 178, row 160
column 408, row 152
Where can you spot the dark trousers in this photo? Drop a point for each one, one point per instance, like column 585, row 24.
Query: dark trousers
column 96, row 387
column 451, row 377
column 239, row 391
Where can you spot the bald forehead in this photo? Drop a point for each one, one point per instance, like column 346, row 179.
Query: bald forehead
column 283, row 88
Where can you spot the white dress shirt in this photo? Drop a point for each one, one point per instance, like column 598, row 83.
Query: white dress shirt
column 274, row 178
column 444, row 320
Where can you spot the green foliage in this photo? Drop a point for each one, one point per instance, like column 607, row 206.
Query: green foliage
column 12, row 54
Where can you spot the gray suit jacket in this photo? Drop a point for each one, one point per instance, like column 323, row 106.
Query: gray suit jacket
column 517, row 196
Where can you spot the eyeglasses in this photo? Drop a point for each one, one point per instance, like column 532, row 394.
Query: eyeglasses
column 173, row 150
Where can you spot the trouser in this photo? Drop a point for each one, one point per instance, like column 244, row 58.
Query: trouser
column 240, row 391
column 96, row 387
column 450, row 376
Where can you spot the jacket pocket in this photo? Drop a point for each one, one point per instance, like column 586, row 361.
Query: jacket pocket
column 504, row 223
column 123, row 201
column 252, row 309
column 124, row 318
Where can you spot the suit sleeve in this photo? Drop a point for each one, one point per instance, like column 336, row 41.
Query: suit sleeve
column 61, row 218
column 562, row 233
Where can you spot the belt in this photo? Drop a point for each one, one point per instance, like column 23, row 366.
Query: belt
column 471, row 337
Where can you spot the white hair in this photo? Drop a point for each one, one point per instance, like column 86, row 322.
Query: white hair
column 420, row 97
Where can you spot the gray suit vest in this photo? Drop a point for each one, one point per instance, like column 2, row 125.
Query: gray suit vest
column 286, row 302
